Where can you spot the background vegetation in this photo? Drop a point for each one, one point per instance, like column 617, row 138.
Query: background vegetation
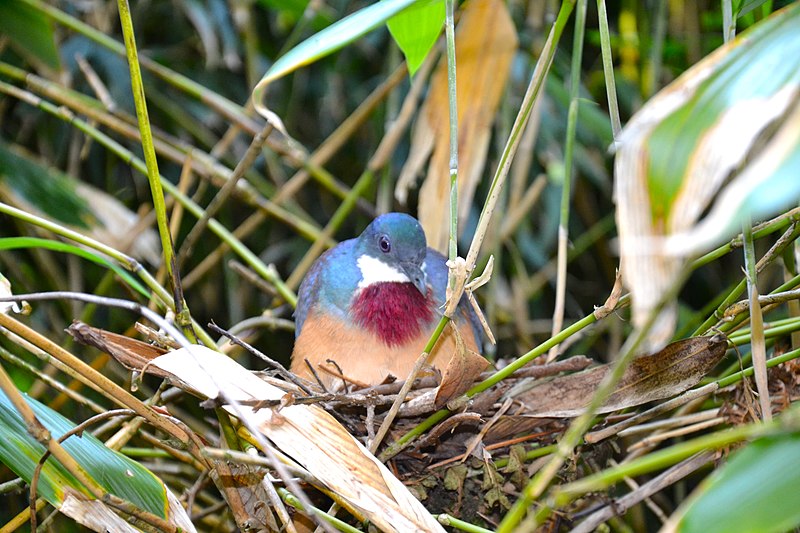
column 69, row 142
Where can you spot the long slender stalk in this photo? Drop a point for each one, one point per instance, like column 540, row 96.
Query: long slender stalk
column 756, row 322
column 608, row 68
column 453, row 106
column 140, row 103
column 566, row 188
column 510, row 149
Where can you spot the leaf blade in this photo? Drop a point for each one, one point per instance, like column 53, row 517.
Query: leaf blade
column 415, row 31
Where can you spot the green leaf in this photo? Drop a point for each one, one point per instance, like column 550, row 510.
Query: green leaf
column 415, row 31
column 743, row 7
column 113, row 471
column 755, row 492
column 329, row 40
column 721, row 143
column 14, row 243
column 765, row 61
column 30, row 31
column 48, row 190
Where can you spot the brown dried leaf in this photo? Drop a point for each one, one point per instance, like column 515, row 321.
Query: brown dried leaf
column 663, row 374
column 243, row 488
column 131, row 353
column 309, row 435
column 462, row 370
column 485, row 44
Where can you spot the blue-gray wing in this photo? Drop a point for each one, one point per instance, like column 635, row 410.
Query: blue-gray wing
column 306, row 295
column 329, row 284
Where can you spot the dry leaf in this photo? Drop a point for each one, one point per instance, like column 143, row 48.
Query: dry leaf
column 131, row 353
column 720, row 141
column 485, row 44
column 461, row 371
column 666, row 373
column 245, row 494
column 309, row 435
column 98, row 516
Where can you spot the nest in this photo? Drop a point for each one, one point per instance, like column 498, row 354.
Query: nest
column 473, row 458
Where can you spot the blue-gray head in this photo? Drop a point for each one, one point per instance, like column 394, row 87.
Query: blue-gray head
column 392, row 249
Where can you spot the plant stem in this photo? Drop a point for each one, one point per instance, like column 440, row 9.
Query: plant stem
column 510, row 149
column 566, row 188
column 608, row 68
column 453, row 105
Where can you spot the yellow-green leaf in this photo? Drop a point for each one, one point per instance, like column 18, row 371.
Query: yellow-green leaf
column 115, row 472
column 327, row 41
column 756, row 491
column 720, row 143
column 415, row 31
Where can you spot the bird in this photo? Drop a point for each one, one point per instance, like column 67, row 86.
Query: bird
column 370, row 305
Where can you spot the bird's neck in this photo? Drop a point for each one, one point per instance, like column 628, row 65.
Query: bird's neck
column 396, row 312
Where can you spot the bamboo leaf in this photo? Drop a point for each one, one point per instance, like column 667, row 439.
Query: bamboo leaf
column 743, row 7
column 415, row 31
column 723, row 139
column 31, row 186
column 30, row 32
column 327, row 41
column 16, row 243
column 113, row 471
column 49, row 191
column 755, row 491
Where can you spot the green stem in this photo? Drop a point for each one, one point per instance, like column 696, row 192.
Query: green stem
column 747, row 372
column 608, row 68
column 535, row 453
column 566, row 189
column 658, row 460
column 183, row 317
column 140, row 103
column 292, row 500
column 510, row 149
column 453, row 105
column 447, row 520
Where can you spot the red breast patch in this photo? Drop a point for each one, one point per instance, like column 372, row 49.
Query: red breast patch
column 396, row 312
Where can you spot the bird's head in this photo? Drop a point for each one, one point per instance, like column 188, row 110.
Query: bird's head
column 392, row 249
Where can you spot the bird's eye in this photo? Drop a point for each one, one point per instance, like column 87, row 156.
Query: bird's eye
column 384, row 244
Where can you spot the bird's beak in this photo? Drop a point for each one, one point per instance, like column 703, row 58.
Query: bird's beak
column 417, row 276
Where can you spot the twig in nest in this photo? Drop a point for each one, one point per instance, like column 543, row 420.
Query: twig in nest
column 433, row 435
column 427, row 382
column 686, row 397
column 274, row 364
column 665, row 479
column 474, row 442
column 573, row 364
column 495, row 446
column 351, row 399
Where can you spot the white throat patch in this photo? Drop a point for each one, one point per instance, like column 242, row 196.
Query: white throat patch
column 376, row 271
